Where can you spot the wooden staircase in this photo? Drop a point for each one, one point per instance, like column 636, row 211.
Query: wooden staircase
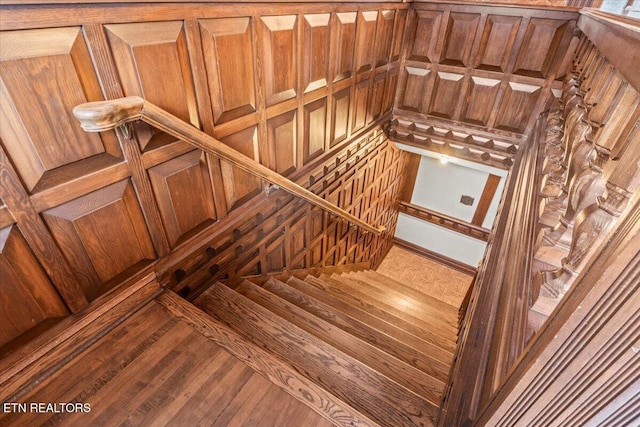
column 383, row 349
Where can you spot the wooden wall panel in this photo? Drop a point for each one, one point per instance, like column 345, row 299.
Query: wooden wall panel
column 538, row 49
column 361, row 98
column 229, row 58
column 482, row 95
column 282, row 142
column 88, row 230
column 446, row 87
column 340, row 103
column 23, row 280
column 239, row 185
column 423, row 41
column 43, row 138
column 484, row 44
column 497, row 40
column 384, row 37
column 366, row 33
column 377, row 96
column 344, row 30
column 278, row 83
column 183, row 190
column 416, row 81
column 516, row 106
column 138, row 49
column 315, row 51
column 279, row 65
column 315, row 120
column 398, row 34
column 390, row 90
column 459, row 38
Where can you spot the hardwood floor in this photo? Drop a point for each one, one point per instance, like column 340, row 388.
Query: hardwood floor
column 156, row 369
column 383, row 349
column 350, row 349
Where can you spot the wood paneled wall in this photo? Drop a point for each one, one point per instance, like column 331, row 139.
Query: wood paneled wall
column 282, row 233
column 578, row 366
column 292, row 86
column 483, row 68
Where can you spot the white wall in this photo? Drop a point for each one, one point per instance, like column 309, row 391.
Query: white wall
column 440, row 240
column 439, row 187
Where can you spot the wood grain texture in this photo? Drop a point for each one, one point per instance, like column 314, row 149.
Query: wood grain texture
column 22, row 278
column 488, row 50
column 34, row 230
column 51, row 64
column 213, row 79
column 535, row 336
column 50, row 351
column 342, row 289
column 184, row 194
column 154, row 343
column 413, row 379
column 356, row 384
column 229, row 60
column 279, row 56
column 274, row 369
column 433, row 364
column 88, row 228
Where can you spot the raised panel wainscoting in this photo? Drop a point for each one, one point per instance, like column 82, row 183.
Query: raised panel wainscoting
column 206, row 253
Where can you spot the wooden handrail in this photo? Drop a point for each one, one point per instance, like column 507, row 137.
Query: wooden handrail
column 106, row 115
column 445, row 221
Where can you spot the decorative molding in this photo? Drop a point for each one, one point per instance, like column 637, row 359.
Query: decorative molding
column 446, row 221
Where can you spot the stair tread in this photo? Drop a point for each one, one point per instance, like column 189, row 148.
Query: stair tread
column 334, row 288
column 423, row 346
column 268, row 365
column 407, row 290
column 431, row 365
column 351, row 381
column 343, row 289
column 445, row 321
column 402, row 373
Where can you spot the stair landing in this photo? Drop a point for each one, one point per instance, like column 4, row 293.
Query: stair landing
column 427, row 276
column 155, row 369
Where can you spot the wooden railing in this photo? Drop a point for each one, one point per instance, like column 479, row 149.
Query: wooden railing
column 106, row 115
column 445, row 221
column 550, row 334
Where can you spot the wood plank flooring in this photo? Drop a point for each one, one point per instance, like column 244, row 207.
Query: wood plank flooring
column 383, row 348
column 350, row 349
column 156, row 369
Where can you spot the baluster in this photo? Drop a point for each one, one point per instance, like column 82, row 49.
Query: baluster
column 575, row 159
column 593, row 223
column 584, row 190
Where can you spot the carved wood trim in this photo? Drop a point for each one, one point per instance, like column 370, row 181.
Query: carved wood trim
column 446, row 221
column 489, row 151
column 607, row 32
column 106, row 115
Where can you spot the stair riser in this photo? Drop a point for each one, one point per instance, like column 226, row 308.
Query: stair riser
column 407, row 376
column 429, row 365
column 341, row 375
